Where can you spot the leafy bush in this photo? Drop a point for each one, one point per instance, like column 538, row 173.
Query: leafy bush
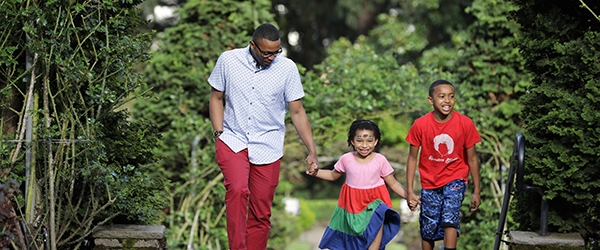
column 490, row 80
column 560, row 42
column 323, row 209
column 66, row 67
column 307, row 216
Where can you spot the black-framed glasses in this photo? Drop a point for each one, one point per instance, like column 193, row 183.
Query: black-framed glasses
column 267, row 54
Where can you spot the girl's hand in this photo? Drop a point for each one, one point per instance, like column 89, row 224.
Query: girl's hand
column 413, row 201
column 312, row 169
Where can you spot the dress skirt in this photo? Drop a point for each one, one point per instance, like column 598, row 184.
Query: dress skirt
column 357, row 218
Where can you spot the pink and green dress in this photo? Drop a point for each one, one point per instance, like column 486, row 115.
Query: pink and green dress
column 363, row 207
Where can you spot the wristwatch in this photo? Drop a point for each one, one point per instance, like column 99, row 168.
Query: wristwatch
column 217, row 133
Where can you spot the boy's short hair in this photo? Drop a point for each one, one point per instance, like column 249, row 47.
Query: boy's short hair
column 266, row 31
column 437, row 83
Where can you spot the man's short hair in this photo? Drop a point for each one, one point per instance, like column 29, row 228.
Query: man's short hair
column 266, row 31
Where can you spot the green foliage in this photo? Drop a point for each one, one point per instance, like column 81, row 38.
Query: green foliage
column 307, row 216
column 319, row 23
column 398, row 36
column 560, row 42
column 89, row 163
column 131, row 166
column 10, row 230
column 323, row 209
column 491, row 78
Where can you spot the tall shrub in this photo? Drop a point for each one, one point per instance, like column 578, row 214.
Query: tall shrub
column 491, row 78
column 560, row 44
column 66, row 67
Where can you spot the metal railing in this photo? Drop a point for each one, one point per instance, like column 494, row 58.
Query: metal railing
column 517, row 165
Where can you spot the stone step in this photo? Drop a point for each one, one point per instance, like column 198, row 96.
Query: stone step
column 522, row 239
column 130, row 237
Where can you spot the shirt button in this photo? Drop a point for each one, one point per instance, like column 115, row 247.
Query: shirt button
column 250, row 103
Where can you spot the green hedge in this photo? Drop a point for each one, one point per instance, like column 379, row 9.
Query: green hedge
column 560, row 42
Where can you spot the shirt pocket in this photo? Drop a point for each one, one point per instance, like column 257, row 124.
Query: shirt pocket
column 272, row 98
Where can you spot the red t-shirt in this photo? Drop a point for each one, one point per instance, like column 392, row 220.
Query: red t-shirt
column 443, row 148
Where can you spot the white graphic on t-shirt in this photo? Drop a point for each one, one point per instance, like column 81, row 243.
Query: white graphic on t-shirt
column 443, row 140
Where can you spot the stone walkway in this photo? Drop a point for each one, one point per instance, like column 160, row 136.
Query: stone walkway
column 313, row 236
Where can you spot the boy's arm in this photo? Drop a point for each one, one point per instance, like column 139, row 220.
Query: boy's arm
column 330, row 175
column 475, row 176
column 411, row 168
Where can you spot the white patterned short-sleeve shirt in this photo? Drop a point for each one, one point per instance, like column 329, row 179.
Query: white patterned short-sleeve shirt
column 256, row 101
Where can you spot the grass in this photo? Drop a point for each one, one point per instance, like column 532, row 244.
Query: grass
column 299, row 246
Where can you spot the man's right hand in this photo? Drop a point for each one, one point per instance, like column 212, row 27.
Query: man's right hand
column 312, row 169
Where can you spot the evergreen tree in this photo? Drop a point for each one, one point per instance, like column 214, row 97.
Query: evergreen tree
column 560, row 41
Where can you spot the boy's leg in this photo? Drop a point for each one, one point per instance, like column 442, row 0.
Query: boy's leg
column 454, row 194
column 450, row 237
column 431, row 212
column 263, row 181
column 427, row 244
column 235, row 168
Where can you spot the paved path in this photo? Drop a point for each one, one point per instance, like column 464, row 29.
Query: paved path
column 313, row 236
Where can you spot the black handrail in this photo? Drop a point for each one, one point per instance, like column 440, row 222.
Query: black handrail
column 518, row 158
column 518, row 155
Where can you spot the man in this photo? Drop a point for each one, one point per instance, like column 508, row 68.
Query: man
column 258, row 86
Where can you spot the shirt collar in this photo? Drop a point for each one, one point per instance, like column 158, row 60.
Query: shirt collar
column 253, row 63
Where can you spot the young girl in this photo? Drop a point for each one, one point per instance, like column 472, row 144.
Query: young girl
column 363, row 218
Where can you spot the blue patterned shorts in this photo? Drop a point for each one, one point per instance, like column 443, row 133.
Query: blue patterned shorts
column 440, row 208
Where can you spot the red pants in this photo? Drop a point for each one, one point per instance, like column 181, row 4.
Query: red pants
column 249, row 194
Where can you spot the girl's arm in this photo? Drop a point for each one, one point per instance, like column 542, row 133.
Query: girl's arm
column 328, row 175
column 400, row 190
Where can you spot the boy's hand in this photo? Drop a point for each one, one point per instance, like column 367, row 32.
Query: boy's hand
column 412, row 205
column 475, row 202
column 413, row 201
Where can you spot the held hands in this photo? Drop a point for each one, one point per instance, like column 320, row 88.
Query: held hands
column 312, row 166
column 413, row 201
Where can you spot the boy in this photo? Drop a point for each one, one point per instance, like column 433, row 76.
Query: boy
column 447, row 141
